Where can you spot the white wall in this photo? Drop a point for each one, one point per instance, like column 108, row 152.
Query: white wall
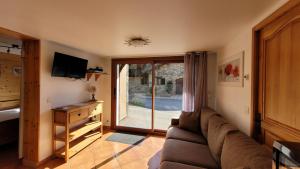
column 234, row 102
column 59, row 91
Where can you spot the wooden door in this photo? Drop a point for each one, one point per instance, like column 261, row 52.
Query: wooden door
column 179, row 86
column 279, row 77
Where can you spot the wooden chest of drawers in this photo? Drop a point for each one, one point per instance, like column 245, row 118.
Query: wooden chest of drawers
column 86, row 117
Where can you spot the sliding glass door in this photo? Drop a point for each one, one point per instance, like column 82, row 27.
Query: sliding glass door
column 168, row 93
column 134, row 95
column 147, row 94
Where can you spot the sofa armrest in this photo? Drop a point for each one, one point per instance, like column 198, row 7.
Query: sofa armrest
column 175, row 122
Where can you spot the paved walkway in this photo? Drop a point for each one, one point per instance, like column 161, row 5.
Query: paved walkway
column 173, row 102
column 140, row 117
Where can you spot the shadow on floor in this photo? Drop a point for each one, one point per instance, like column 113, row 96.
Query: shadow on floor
column 9, row 155
column 118, row 154
column 153, row 162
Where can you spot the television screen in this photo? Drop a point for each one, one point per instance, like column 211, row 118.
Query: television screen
column 68, row 66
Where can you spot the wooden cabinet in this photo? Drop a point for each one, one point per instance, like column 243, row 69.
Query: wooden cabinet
column 88, row 121
column 277, row 51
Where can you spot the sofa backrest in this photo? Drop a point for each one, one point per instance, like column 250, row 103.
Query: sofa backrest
column 206, row 114
column 241, row 151
column 218, row 128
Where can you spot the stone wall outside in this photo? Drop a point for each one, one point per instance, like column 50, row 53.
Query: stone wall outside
column 170, row 72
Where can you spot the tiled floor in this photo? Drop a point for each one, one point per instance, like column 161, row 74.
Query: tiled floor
column 110, row 155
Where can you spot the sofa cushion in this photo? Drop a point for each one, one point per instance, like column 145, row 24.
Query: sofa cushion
column 189, row 121
column 250, row 154
column 180, row 134
column 173, row 165
column 188, row 153
column 218, row 128
column 206, row 113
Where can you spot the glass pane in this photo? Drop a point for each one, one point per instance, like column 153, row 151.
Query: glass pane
column 168, row 93
column 134, row 98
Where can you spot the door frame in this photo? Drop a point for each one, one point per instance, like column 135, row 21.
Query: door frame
column 30, row 96
column 255, row 64
column 151, row 60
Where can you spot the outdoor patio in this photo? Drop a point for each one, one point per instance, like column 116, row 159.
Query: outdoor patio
column 140, row 117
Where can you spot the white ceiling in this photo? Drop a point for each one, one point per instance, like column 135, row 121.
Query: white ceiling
column 102, row 26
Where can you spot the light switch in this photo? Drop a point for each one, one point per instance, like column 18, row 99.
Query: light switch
column 247, row 110
column 49, row 100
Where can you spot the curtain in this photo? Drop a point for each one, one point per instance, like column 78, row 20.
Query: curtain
column 195, row 81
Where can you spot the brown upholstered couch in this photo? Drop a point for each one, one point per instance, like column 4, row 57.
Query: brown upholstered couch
column 219, row 145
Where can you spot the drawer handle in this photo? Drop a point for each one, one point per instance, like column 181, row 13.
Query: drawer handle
column 78, row 114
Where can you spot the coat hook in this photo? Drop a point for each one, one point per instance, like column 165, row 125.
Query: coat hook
column 246, row 76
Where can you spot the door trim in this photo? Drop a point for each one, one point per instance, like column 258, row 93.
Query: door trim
column 151, row 60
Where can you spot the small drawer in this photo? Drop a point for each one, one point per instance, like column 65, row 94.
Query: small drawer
column 96, row 109
column 78, row 115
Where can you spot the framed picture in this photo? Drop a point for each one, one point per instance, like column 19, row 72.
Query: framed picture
column 231, row 71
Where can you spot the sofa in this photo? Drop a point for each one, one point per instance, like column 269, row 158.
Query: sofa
column 217, row 144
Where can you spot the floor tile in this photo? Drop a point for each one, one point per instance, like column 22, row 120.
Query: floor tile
column 101, row 154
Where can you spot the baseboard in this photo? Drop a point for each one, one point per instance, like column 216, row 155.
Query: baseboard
column 106, row 127
column 31, row 164
column 45, row 160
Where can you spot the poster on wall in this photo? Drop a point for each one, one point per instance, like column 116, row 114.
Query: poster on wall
column 231, row 71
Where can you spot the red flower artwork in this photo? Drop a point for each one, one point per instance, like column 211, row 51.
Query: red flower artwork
column 228, row 69
column 236, row 71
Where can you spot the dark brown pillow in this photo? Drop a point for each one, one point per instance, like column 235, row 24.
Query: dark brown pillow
column 189, row 121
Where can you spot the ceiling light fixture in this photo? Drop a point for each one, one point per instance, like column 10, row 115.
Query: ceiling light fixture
column 12, row 46
column 138, row 41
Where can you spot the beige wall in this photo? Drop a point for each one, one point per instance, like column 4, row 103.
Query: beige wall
column 59, row 91
column 234, row 102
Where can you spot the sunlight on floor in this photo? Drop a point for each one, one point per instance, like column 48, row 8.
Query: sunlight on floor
column 111, row 155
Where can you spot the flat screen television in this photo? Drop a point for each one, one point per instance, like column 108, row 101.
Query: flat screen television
column 68, row 66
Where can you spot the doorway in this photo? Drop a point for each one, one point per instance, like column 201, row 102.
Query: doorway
column 29, row 97
column 146, row 93
column 10, row 98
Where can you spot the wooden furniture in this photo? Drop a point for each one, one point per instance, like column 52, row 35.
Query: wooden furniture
column 87, row 121
column 286, row 155
column 276, row 85
column 9, row 131
column 9, row 125
column 97, row 75
column 89, row 75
